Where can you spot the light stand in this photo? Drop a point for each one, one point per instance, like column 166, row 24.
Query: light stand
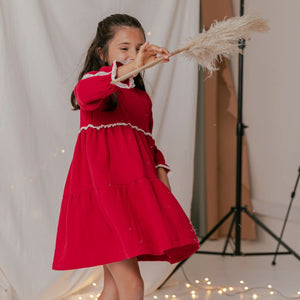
column 286, row 216
column 237, row 210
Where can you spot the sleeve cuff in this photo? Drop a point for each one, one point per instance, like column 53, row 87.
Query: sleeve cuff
column 126, row 84
column 166, row 167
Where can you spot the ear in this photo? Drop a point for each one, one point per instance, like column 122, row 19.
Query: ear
column 99, row 52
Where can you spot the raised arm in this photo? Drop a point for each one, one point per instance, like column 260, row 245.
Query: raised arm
column 95, row 86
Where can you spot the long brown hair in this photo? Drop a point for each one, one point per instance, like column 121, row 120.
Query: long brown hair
column 105, row 32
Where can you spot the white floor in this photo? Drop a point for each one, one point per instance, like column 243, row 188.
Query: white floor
column 224, row 272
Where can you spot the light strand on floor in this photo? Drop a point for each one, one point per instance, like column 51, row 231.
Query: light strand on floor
column 258, row 291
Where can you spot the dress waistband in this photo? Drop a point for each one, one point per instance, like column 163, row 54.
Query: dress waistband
column 113, row 125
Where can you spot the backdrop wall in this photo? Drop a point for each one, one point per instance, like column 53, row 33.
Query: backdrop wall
column 43, row 45
column 271, row 107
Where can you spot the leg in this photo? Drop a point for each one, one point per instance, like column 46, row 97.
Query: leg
column 128, row 279
column 110, row 291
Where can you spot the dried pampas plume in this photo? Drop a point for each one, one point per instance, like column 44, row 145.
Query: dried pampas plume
column 222, row 39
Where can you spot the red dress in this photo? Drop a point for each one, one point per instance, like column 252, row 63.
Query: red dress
column 114, row 205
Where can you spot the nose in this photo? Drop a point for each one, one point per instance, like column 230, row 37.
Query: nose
column 132, row 54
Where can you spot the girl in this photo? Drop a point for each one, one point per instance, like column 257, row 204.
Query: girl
column 117, row 207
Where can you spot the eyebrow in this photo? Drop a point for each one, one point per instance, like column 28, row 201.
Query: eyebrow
column 127, row 43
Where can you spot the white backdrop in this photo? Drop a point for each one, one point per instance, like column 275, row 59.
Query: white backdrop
column 43, row 45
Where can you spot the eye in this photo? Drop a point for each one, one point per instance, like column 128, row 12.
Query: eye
column 138, row 49
column 124, row 49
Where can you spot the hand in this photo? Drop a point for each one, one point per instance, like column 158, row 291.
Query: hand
column 148, row 53
column 163, row 176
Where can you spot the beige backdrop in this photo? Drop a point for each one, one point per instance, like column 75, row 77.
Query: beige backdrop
column 220, row 123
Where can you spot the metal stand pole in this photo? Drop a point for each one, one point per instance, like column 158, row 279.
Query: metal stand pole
column 237, row 210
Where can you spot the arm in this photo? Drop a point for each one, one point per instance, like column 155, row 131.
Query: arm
column 160, row 164
column 159, row 158
column 95, row 86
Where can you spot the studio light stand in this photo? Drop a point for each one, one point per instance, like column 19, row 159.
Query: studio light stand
column 238, row 209
column 286, row 216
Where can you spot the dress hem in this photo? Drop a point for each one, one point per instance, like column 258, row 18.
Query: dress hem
column 141, row 256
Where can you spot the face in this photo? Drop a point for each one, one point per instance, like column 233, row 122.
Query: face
column 125, row 44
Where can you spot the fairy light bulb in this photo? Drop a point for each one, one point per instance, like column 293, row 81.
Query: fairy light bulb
column 155, row 297
column 94, row 284
column 272, row 293
column 166, row 296
column 194, row 296
column 246, row 288
column 91, row 296
column 173, row 296
column 298, row 293
column 206, row 279
column 208, row 282
column 149, row 33
column 80, row 298
column 231, row 288
column 254, row 296
column 188, row 285
column 220, row 292
column 269, row 286
column 193, row 292
column 62, row 150
column 197, row 281
column 224, row 290
column 242, row 281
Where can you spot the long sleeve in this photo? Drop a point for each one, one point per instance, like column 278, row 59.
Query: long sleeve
column 159, row 158
column 95, row 86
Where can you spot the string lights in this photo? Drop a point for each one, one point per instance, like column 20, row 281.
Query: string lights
column 252, row 293
column 194, row 290
column 256, row 292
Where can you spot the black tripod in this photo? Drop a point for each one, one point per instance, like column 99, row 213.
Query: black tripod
column 238, row 209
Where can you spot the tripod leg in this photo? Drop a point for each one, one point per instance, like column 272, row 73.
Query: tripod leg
column 217, row 226
column 281, row 234
column 176, row 268
column 263, row 226
column 229, row 233
column 286, row 217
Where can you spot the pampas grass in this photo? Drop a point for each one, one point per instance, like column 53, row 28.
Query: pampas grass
column 222, row 39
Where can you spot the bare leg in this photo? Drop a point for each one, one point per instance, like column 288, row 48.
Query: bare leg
column 128, row 279
column 110, row 291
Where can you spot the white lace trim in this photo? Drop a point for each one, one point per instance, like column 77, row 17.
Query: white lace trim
column 100, row 73
column 113, row 125
column 164, row 166
column 114, row 73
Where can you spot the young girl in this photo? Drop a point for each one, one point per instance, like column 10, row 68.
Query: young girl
column 117, row 207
